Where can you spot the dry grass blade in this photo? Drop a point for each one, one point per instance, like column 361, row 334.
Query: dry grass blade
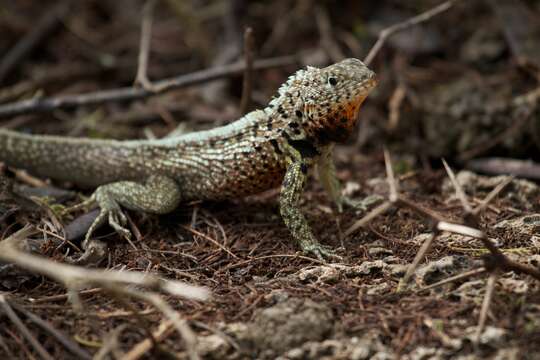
column 459, row 190
column 165, row 329
column 116, row 282
column 213, row 241
column 492, row 195
column 144, row 48
column 247, row 82
column 457, row 277
column 180, row 324
column 74, row 276
column 379, row 210
column 490, row 287
column 390, row 176
column 461, row 230
column 110, row 344
column 419, row 256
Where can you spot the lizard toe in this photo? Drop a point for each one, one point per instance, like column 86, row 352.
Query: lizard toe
column 116, row 220
column 321, row 252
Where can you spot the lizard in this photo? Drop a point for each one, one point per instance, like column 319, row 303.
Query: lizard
column 312, row 111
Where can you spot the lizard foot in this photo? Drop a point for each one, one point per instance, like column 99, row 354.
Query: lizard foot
column 360, row 205
column 110, row 212
column 321, row 252
column 84, row 205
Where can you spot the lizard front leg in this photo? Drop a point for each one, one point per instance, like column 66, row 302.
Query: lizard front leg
column 292, row 187
column 332, row 185
column 158, row 195
column 327, row 176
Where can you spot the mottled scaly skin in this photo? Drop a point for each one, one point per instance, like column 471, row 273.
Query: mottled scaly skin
column 313, row 110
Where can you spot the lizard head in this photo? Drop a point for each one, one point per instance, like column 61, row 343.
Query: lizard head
column 327, row 101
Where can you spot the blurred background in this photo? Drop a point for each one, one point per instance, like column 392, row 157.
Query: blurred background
column 451, row 87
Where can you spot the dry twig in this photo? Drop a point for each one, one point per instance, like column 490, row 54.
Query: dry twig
column 117, row 282
column 62, row 338
column 131, row 93
column 144, row 49
column 4, row 305
column 418, row 19
column 457, row 277
column 141, row 348
column 247, row 84
column 490, row 287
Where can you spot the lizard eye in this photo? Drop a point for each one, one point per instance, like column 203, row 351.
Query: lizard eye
column 332, row 81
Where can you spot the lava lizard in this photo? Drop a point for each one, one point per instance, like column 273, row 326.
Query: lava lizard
column 313, row 110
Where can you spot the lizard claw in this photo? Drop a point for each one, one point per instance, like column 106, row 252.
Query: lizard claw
column 110, row 212
column 117, row 219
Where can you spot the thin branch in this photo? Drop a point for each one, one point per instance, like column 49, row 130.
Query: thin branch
column 213, row 241
column 389, row 31
column 379, row 210
column 414, row 265
column 62, row 338
column 390, row 177
column 457, row 277
column 49, row 21
column 247, row 85
column 144, row 48
column 130, row 93
column 23, row 329
column 116, row 282
column 110, row 344
column 459, row 190
column 163, row 330
column 490, row 287
column 180, row 324
column 76, row 276
column 460, row 229
column 492, row 195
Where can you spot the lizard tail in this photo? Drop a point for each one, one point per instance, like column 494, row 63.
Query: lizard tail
column 86, row 162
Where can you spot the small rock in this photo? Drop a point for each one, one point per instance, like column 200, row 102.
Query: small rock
column 321, row 274
column 378, row 186
column 397, row 270
column 514, row 285
column 351, row 188
column 527, row 225
column 213, row 345
column 369, row 267
column 378, row 289
column 437, row 270
column 421, row 238
column 301, row 320
column 534, row 260
column 490, row 336
column 471, row 290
